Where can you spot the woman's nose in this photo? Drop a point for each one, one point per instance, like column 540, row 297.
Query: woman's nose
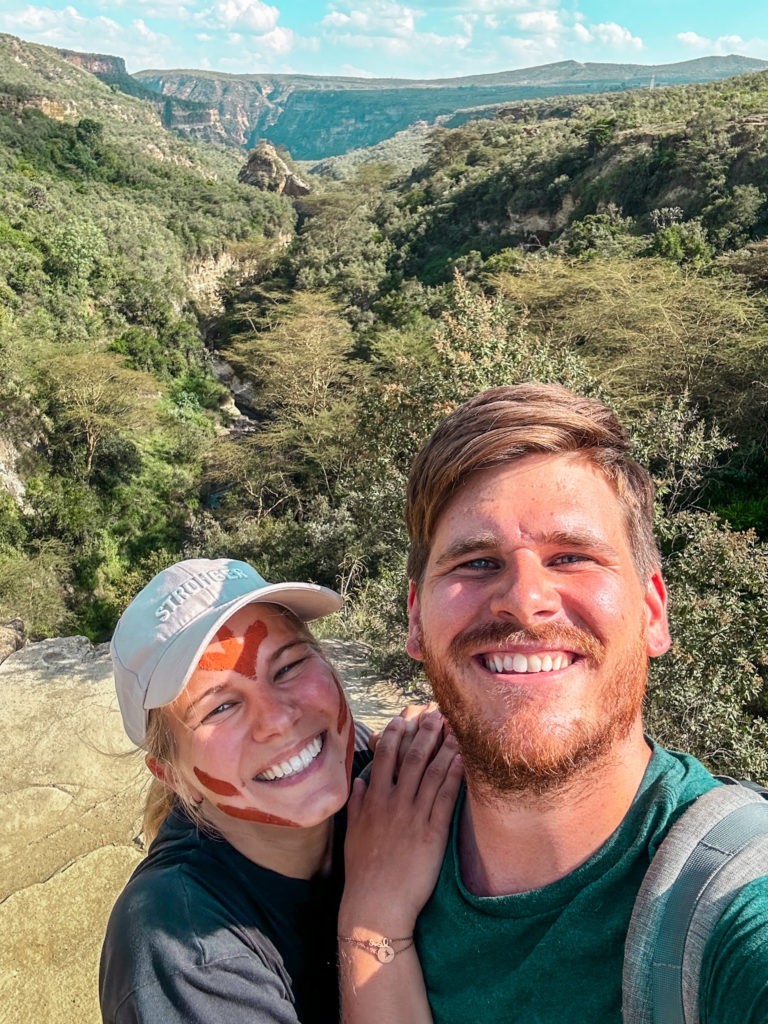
column 272, row 714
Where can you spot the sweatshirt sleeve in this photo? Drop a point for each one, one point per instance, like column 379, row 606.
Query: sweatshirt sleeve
column 237, row 990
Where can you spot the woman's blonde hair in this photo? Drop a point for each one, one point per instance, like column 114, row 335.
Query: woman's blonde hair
column 160, row 746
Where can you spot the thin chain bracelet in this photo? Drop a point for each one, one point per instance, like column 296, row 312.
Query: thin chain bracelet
column 383, row 949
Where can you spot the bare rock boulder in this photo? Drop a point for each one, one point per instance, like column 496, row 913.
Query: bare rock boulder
column 267, row 170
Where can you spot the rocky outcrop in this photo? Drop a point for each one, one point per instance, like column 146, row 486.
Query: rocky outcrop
column 96, row 63
column 70, row 835
column 244, row 394
column 269, row 172
column 13, row 636
column 10, row 481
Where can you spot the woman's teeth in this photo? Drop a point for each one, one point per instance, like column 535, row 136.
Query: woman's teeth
column 294, row 764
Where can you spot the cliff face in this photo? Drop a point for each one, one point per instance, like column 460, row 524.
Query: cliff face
column 96, row 63
column 318, row 117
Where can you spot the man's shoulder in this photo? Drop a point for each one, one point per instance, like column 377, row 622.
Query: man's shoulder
column 690, row 918
column 673, row 781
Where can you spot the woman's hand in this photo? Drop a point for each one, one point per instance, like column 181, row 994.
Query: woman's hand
column 398, row 825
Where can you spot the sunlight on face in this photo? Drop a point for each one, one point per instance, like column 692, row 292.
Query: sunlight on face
column 263, row 730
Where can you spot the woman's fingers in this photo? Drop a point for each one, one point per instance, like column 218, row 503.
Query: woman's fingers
column 441, row 781
column 410, row 714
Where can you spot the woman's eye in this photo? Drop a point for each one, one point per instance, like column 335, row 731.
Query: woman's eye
column 220, row 709
column 285, row 670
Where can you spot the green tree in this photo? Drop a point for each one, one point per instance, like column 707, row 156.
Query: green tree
column 92, row 398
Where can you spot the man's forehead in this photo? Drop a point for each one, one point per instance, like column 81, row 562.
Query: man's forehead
column 537, row 498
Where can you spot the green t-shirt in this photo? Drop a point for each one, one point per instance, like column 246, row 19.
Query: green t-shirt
column 555, row 955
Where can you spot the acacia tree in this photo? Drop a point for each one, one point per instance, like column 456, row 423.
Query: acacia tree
column 92, row 397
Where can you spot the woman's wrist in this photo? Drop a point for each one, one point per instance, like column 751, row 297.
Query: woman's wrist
column 368, row 923
column 384, row 947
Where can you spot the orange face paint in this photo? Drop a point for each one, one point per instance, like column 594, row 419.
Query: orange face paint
column 341, row 721
column 350, row 753
column 236, row 653
column 251, row 814
column 219, row 786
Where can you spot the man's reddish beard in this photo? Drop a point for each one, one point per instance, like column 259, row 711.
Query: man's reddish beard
column 525, row 753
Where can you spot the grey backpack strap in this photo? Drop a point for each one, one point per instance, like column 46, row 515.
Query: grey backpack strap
column 719, row 844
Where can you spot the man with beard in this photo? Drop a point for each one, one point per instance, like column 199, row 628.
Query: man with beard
column 536, row 598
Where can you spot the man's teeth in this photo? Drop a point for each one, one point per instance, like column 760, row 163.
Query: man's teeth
column 527, row 662
column 294, row 764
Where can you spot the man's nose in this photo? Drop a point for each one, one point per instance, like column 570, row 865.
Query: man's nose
column 526, row 591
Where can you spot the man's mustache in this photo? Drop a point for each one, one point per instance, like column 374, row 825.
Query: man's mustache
column 497, row 635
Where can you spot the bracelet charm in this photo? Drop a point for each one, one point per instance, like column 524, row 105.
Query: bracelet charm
column 383, row 949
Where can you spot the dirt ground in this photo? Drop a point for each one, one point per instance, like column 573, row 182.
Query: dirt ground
column 70, row 835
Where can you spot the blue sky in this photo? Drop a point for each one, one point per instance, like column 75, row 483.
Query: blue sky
column 391, row 38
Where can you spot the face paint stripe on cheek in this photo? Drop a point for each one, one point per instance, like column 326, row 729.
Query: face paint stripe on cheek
column 219, row 786
column 251, row 814
column 341, row 721
column 350, row 754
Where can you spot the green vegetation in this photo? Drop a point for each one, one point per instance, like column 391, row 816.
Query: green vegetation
column 615, row 244
column 106, row 395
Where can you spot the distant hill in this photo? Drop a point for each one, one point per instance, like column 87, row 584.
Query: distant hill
column 67, row 86
column 316, row 117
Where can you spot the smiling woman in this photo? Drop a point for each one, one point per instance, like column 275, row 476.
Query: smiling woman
column 252, row 745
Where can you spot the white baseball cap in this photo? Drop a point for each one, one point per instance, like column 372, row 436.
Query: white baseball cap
column 162, row 634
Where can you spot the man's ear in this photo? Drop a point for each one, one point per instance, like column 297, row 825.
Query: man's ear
column 657, row 635
column 413, row 644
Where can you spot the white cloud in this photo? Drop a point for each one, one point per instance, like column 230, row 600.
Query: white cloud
column 245, row 15
column 154, row 8
column 535, row 50
column 391, row 29
column 503, row 6
column 381, row 17
column 278, row 41
column 350, row 71
column 724, row 44
column 47, row 20
column 582, row 33
column 136, row 42
column 616, row 36
column 694, row 40
column 538, row 21
column 465, row 23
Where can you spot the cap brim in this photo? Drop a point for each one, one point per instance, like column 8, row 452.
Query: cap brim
column 180, row 659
